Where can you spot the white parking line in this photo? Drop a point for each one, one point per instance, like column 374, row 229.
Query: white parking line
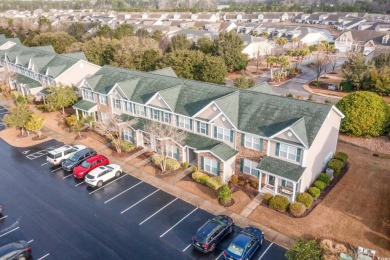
column 40, row 153
column 44, row 163
column 135, row 204
column 44, row 256
column 32, row 240
column 9, row 231
column 157, row 211
column 67, row 176
column 107, row 184
column 3, row 217
column 123, row 192
column 265, row 251
column 3, row 113
column 178, row 222
column 219, row 255
column 186, row 247
column 79, row 183
column 56, row 169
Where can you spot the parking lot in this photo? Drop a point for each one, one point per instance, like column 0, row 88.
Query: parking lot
column 126, row 218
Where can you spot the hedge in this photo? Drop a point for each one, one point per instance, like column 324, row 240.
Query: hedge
column 126, row 146
column 172, row 164
column 305, row 198
column 314, row 192
column 156, row 159
column 280, row 203
column 297, row 209
column 224, row 194
column 267, row 197
column 200, row 177
column 324, row 178
column 341, row 156
column 186, row 165
column 214, row 182
column 320, row 185
column 336, row 165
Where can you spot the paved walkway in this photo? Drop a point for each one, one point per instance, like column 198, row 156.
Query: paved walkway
column 55, row 130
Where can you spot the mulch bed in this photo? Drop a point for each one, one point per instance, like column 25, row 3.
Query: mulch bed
column 316, row 201
column 123, row 154
column 251, row 192
column 82, row 137
column 37, row 138
column 159, row 173
column 284, row 80
column 226, row 205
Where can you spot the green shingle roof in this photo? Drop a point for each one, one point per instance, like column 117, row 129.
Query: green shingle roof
column 166, row 72
column 262, row 88
column 281, row 168
column 30, row 83
column 76, row 55
column 47, row 48
column 299, row 128
column 84, row 105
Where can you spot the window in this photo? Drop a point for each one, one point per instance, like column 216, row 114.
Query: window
column 166, row 117
column 103, row 99
column 184, row 122
column 252, row 142
column 249, row 167
column 104, row 117
column 289, row 152
column 155, row 114
column 128, row 135
column 139, row 110
column 172, row 151
column 117, row 103
column 128, row 107
column 203, row 128
column 210, row 165
column 222, row 134
column 88, row 95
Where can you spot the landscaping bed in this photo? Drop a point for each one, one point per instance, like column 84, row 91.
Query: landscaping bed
column 154, row 170
column 140, row 158
column 245, row 184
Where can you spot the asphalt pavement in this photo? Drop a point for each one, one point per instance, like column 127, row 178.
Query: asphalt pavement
column 3, row 112
column 126, row 218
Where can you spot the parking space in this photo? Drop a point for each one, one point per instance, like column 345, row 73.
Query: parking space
column 124, row 218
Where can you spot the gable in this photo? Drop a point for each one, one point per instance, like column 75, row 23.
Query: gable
column 117, row 93
column 222, row 121
column 209, row 112
column 158, row 101
column 288, row 135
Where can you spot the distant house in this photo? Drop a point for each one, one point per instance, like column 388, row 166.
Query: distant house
column 363, row 41
column 254, row 46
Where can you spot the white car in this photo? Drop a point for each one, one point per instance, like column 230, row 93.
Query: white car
column 102, row 174
column 62, row 153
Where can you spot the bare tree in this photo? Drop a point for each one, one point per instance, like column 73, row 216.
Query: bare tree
column 261, row 51
column 165, row 135
column 6, row 77
column 333, row 62
column 320, row 64
column 110, row 128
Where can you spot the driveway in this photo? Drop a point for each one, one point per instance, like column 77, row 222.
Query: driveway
column 126, row 218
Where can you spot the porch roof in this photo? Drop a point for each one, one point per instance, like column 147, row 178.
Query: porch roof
column 30, row 83
column 84, row 105
column 281, row 168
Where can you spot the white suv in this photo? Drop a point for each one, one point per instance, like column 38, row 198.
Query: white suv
column 102, row 174
column 60, row 154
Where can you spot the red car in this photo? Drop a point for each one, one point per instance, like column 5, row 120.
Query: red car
column 89, row 164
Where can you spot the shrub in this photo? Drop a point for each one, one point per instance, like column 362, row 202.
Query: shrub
column 297, row 209
column 234, row 179
column 21, row 100
column 186, row 165
column 195, row 169
column 336, row 166
column 304, row 250
column 341, row 156
column 314, row 192
column 200, row 177
column 15, row 94
column 346, row 86
column 214, row 182
column 305, row 198
column 366, row 114
column 320, row 185
column 224, row 194
column 324, row 178
column 267, row 197
column 42, row 107
column 280, row 203
column 172, row 164
column 254, row 184
column 317, row 83
column 126, row 146
column 30, row 98
column 156, row 159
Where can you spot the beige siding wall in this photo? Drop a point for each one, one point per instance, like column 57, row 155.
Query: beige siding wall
column 225, row 124
column 158, row 103
column 229, row 169
column 209, row 113
column 272, row 152
column 324, row 143
column 211, row 156
column 79, row 71
column 116, row 95
column 293, row 138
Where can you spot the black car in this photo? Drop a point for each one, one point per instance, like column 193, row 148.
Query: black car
column 17, row 250
column 212, row 232
column 77, row 158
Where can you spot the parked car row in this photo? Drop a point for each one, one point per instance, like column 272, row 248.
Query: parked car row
column 243, row 246
column 19, row 250
column 85, row 164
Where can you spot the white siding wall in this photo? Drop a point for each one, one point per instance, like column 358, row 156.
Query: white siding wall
column 75, row 74
column 229, row 169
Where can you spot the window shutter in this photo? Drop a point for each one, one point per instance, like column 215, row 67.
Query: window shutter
column 198, row 126
column 123, row 135
column 177, row 154
column 277, row 149
column 177, row 120
column 218, row 167
column 207, row 129
column 261, row 144
column 145, row 111
column 106, row 100
column 299, row 154
column 191, row 124
column 243, row 139
column 284, row 183
column 202, row 162
column 231, row 136
column 241, row 165
column 215, row 132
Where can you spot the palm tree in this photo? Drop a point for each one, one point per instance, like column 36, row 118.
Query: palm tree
column 265, row 34
column 281, row 41
column 284, row 62
column 271, row 61
column 295, row 40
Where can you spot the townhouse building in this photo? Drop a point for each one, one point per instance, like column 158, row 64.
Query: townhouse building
column 36, row 68
column 282, row 143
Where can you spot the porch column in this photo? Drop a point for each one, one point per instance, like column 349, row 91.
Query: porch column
column 276, row 185
column 293, row 193
column 260, row 179
column 77, row 114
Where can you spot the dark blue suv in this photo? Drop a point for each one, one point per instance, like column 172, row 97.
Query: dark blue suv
column 212, row 232
column 245, row 244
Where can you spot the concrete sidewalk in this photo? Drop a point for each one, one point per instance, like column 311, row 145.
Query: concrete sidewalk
column 54, row 128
